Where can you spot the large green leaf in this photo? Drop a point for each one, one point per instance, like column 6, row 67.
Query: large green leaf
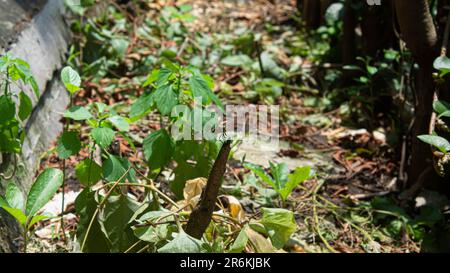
column 17, row 214
column 163, row 76
column 441, row 106
column 280, row 174
column 142, row 106
column 241, row 241
column 15, row 197
column 120, row 123
column 158, row 149
column 201, row 89
column 70, row 79
column 43, row 189
column 183, row 243
column 68, row 144
column 165, row 99
column 114, row 220
column 9, row 144
column 85, row 205
column 36, row 219
column 300, row 175
column 151, row 78
column 25, row 107
column 279, row 224
column 78, row 113
column 445, row 114
column 115, row 167
column 439, row 142
column 103, row 136
column 442, row 64
column 8, row 109
column 88, row 172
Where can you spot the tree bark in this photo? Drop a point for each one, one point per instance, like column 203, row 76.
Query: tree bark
column 349, row 36
column 377, row 29
column 313, row 12
column 418, row 31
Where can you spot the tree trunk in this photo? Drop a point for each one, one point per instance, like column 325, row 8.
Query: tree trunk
column 377, row 29
column 418, row 31
column 313, row 12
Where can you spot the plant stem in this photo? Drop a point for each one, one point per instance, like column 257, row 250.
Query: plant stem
column 25, row 240
column 66, row 128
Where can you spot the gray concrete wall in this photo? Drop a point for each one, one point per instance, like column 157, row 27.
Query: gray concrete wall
column 39, row 35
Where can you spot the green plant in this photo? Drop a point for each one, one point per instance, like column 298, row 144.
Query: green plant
column 168, row 87
column 440, row 126
column 281, row 180
column 13, row 71
column 26, row 211
column 105, row 222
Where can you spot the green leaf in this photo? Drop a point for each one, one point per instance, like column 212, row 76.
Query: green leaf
column 36, row 219
column 43, row 189
column 158, row 149
column 86, row 205
column 15, row 197
column 17, row 214
column 103, row 136
column 68, row 145
column 154, row 215
column 445, row 114
column 70, row 79
column 3, row 202
column 152, row 234
column 163, row 77
column 88, row 172
column 142, row 106
column 237, row 60
column 300, row 175
column 8, row 109
column 78, row 113
column 442, row 64
column 35, row 86
column 241, row 241
column 151, row 78
column 439, row 142
column 279, row 224
column 441, row 106
column 25, row 107
column 259, row 171
column 183, row 243
column 271, row 67
column 120, row 46
column 165, row 99
column 9, row 144
column 200, row 88
column 120, row 123
column 101, row 107
column 114, row 168
column 280, row 174
column 114, row 218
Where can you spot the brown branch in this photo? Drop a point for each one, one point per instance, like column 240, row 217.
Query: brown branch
column 202, row 214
